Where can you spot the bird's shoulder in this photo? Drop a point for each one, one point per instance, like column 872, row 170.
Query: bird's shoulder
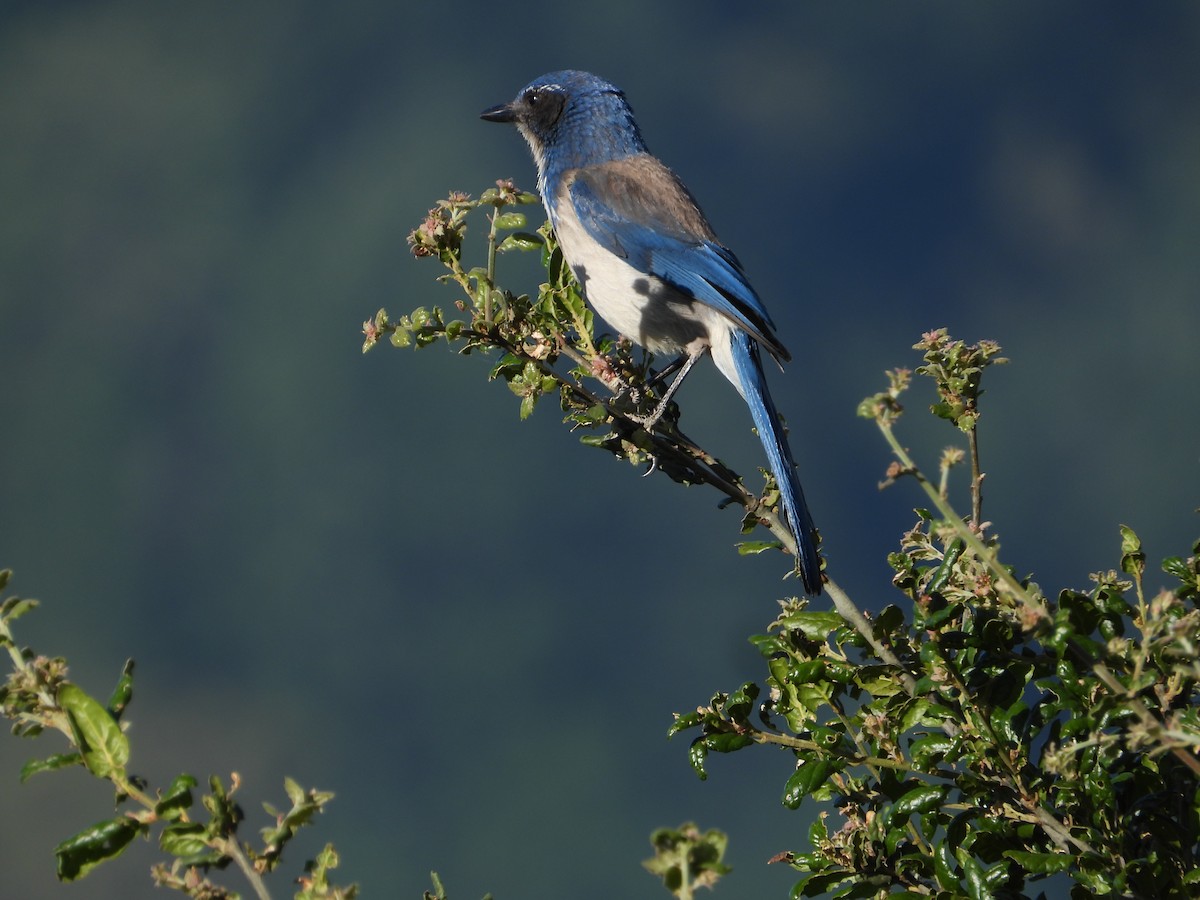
column 642, row 190
column 637, row 209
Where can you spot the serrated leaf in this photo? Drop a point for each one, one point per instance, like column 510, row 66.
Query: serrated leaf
column 509, row 221
column 14, row 607
column 943, row 867
column 753, row 548
column 184, row 839
column 1133, row 560
column 79, row 854
column 521, row 240
column 176, row 798
column 1041, row 863
column 807, row 778
column 57, row 761
column 294, row 791
column 816, row 626
column 922, row 750
column 975, row 877
column 822, row 883
column 920, row 799
column 914, row 713
column 807, row 672
column 123, row 692
column 727, row 742
column 104, row 746
column 697, row 754
column 683, row 722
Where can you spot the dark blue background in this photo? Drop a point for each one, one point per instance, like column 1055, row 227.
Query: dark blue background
column 364, row 572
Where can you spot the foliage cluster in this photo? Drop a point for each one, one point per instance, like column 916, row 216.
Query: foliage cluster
column 977, row 737
column 38, row 697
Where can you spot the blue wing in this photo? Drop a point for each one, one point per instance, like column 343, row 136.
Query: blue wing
column 637, row 209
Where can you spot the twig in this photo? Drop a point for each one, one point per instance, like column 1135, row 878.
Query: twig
column 233, row 850
column 976, row 477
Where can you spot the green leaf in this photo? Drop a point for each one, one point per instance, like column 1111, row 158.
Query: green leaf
column 14, row 607
column 78, row 855
column 927, row 751
column 976, row 880
column 317, row 884
column 753, row 548
column 521, row 240
column 921, row 799
column 1133, row 560
column 944, row 868
column 57, row 761
column 509, row 221
column 697, row 754
column 225, row 813
column 295, row 793
column 176, row 798
column 684, row 855
column 1041, row 863
column 123, row 692
column 104, row 747
column 185, row 839
column 816, row 626
column 822, row 883
column 728, row 742
column 807, row 672
column 683, row 722
column 807, row 778
column 914, row 714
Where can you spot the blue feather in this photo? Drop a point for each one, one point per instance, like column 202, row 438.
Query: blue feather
column 752, row 384
column 614, row 205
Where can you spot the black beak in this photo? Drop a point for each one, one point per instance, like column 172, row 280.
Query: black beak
column 501, row 113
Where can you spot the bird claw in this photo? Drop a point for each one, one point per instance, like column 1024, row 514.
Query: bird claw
column 648, row 422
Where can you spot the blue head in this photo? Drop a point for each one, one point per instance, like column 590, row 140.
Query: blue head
column 571, row 119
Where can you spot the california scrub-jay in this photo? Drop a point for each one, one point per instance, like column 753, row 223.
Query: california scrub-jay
column 648, row 260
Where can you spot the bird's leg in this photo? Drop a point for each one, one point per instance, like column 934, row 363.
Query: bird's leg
column 652, row 381
column 648, row 422
column 655, row 379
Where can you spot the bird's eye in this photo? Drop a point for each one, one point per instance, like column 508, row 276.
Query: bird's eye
column 541, row 106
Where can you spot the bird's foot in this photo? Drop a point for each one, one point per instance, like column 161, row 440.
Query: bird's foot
column 650, row 420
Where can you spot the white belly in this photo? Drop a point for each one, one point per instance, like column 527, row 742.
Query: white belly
column 638, row 306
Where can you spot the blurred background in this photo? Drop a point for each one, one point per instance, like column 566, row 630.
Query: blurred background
column 364, row 572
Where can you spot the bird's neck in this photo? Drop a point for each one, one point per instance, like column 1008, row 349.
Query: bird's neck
column 586, row 140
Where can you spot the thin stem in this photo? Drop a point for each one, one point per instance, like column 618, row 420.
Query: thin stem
column 491, row 268
column 976, row 477
column 966, row 532
column 123, row 785
column 231, row 848
column 685, row 880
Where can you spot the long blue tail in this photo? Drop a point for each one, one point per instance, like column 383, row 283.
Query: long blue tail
column 752, row 384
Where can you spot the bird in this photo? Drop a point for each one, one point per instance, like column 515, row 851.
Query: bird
column 649, row 262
